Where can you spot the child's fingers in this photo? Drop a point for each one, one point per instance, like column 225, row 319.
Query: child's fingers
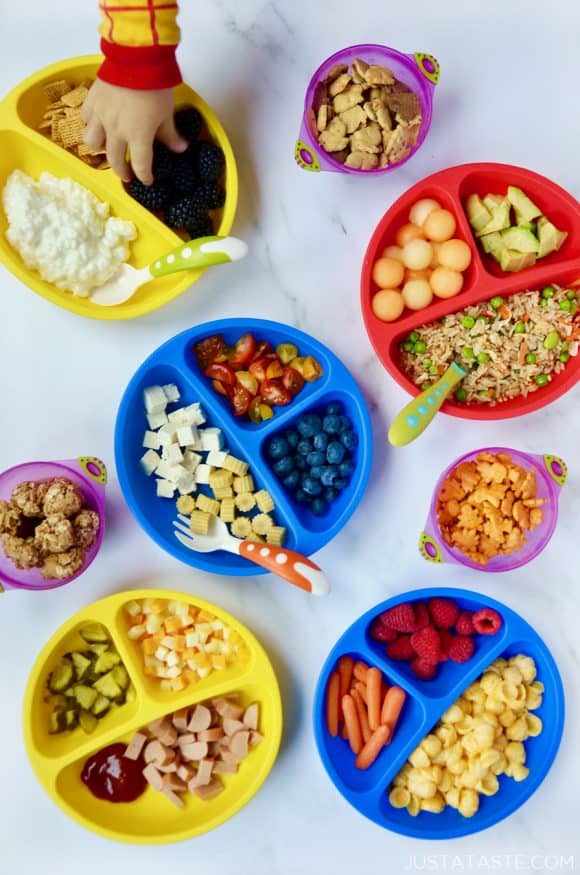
column 116, row 151
column 94, row 134
column 87, row 107
column 169, row 135
column 141, row 152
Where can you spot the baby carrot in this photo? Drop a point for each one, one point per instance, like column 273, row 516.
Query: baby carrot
column 374, row 683
column 332, row 692
column 352, row 724
column 345, row 664
column 392, row 705
column 362, row 715
column 362, row 688
column 373, row 747
column 360, row 671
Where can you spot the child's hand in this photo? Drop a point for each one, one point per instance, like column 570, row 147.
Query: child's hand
column 119, row 117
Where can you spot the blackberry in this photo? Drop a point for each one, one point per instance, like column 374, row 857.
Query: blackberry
column 162, row 162
column 154, row 197
column 215, row 196
column 188, row 122
column 203, row 229
column 183, row 179
column 186, row 212
column 209, row 162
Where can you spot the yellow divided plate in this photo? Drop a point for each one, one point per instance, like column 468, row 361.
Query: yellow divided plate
column 23, row 147
column 58, row 759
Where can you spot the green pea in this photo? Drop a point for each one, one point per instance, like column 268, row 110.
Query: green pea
column 564, row 346
column 419, row 347
column 433, row 370
column 542, row 379
column 496, row 302
column 571, row 295
column 468, row 322
column 520, row 328
column 565, row 305
column 564, row 356
column 425, row 386
column 531, row 358
column 483, row 393
column 407, row 346
column 427, row 363
column 485, row 319
column 414, row 336
column 460, row 394
column 544, row 302
column 552, row 340
column 468, row 352
column 483, row 358
column 548, row 292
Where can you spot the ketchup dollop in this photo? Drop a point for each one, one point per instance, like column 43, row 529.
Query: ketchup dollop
column 109, row 775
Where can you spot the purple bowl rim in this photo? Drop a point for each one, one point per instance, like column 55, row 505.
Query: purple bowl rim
column 409, row 61
column 100, row 508
column 515, row 563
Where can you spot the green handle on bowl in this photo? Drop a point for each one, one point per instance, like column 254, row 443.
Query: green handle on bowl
column 416, row 416
column 200, row 253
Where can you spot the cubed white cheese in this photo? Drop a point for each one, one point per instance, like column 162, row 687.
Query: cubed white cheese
column 211, row 439
column 186, row 415
column 186, row 435
column 166, row 438
column 191, row 460
column 216, row 458
column 173, row 454
column 151, row 440
column 197, row 413
column 173, row 659
column 202, row 473
column 186, row 483
column 172, row 393
column 156, row 420
column 165, row 489
column 168, row 471
column 150, row 461
column 154, row 399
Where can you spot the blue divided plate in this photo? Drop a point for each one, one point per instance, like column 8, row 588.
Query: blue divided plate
column 367, row 791
column 174, row 362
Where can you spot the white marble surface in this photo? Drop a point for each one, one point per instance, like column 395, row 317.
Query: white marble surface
column 506, row 94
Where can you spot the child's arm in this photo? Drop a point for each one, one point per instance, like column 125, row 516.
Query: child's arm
column 131, row 101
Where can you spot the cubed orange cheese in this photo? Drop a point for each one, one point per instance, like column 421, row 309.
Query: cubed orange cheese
column 179, row 643
column 218, row 660
column 204, row 616
column 201, row 660
column 189, row 652
column 149, row 646
column 158, row 606
column 173, row 624
column 178, row 684
column 190, row 676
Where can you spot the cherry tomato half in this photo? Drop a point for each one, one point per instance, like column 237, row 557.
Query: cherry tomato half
column 262, row 348
column 292, row 380
column 241, row 400
column 222, row 372
column 222, row 389
column 248, row 381
column 273, row 392
column 274, row 370
column 243, row 352
column 206, row 351
column 259, row 366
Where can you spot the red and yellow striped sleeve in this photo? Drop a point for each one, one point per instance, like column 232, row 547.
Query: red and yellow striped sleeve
column 139, row 39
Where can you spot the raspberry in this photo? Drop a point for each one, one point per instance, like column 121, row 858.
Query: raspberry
column 487, row 621
column 464, row 624
column 461, row 648
column 422, row 669
column 401, row 649
column 422, row 618
column 445, row 637
column 444, row 612
column 379, row 631
column 401, row 618
column 426, row 644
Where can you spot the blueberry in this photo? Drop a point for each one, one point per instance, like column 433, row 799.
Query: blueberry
column 309, row 424
column 283, row 466
column 318, row 506
column 329, row 475
column 320, row 441
column 292, row 480
column 304, row 447
column 316, row 472
column 311, row 486
column 301, row 497
column 340, row 483
column 335, row 453
column 300, row 463
column 330, row 494
column 346, row 468
column 334, row 409
column 349, row 440
column 292, row 437
column 345, row 424
column 315, row 458
column 331, row 424
column 278, row 448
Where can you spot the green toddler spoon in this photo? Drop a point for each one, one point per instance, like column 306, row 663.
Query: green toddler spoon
column 416, row 416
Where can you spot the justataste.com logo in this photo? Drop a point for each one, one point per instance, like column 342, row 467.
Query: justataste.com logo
column 491, row 863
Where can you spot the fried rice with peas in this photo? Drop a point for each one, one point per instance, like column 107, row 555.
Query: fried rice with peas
column 509, row 347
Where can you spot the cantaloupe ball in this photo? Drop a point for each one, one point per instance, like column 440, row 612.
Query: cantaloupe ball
column 417, row 294
column 418, row 275
column 417, row 254
column 393, row 252
column 408, row 232
column 388, row 305
column 455, row 254
column 435, row 260
column 440, row 225
column 421, row 209
column 388, row 273
column 446, row 283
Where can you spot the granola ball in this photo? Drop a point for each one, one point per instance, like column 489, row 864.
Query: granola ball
column 29, row 497
column 55, row 534
column 62, row 496
column 22, row 551
column 59, row 566
column 86, row 526
column 10, row 518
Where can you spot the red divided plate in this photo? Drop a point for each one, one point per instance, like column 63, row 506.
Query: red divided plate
column 483, row 279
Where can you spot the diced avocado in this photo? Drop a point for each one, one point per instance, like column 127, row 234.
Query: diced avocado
column 106, row 661
column 72, row 719
column 61, row 677
column 500, row 219
column 98, row 648
column 551, row 239
column 80, row 662
column 108, row 686
column 493, row 200
column 119, row 673
column 101, row 706
column 493, row 244
column 85, row 696
column 56, row 722
column 526, row 209
column 520, row 239
column 87, row 721
column 58, row 701
column 94, row 633
column 514, row 261
column 477, row 212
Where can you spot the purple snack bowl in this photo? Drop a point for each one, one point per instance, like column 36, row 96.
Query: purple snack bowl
column 551, row 474
column 419, row 71
column 90, row 475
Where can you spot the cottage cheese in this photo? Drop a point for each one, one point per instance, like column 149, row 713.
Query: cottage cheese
column 64, row 232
